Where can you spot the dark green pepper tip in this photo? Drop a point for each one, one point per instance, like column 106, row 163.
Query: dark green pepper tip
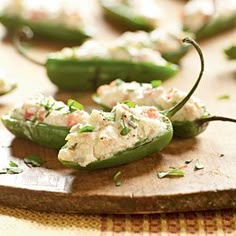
column 26, row 33
column 172, row 111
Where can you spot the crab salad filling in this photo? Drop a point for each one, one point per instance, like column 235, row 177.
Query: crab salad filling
column 108, row 133
column 93, row 49
column 58, row 12
column 49, row 111
column 145, row 94
column 198, row 12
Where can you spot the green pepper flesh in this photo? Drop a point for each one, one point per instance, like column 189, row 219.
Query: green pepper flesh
column 83, row 75
column 46, row 29
column 125, row 16
column 44, row 134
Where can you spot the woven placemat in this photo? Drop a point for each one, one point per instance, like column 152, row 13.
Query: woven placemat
column 25, row 222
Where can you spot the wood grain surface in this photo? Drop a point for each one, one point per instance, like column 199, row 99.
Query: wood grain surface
column 55, row 188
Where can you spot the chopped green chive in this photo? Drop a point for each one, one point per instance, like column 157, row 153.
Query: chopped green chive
column 129, row 103
column 117, row 179
column 199, row 165
column 171, row 173
column 12, row 164
column 73, row 147
column 11, row 170
column 119, row 82
column 111, row 116
column 224, row 97
column 188, row 161
column 86, row 128
column 14, row 170
column 156, row 83
column 74, row 105
column 3, row 171
column 125, row 131
column 33, row 161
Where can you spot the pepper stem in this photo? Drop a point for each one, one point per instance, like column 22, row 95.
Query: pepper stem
column 171, row 111
column 215, row 118
column 27, row 33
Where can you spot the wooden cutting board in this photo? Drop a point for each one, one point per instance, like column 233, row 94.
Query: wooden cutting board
column 55, row 188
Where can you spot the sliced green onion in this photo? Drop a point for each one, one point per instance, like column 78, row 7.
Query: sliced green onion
column 86, row 128
column 199, row 165
column 156, row 83
column 33, row 160
column 74, row 105
column 171, row 173
column 12, row 164
column 117, row 179
column 129, row 103
column 125, row 131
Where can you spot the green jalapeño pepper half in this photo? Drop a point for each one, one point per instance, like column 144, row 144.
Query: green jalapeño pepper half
column 44, row 121
column 190, row 121
column 48, row 25
column 231, row 52
column 85, row 142
column 221, row 17
column 92, row 64
column 123, row 13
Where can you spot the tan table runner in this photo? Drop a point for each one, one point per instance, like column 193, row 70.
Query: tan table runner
column 24, row 222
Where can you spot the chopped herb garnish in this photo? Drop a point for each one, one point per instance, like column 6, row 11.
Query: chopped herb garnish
column 198, row 165
column 3, row 171
column 132, row 118
column 125, row 131
column 33, row 161
column 86, row 128
column 119, row 82
column 14, row 170
column 111, row 116
column 224, row 97
column 12, row 164
column 188, row 161
column 74, row 105
column 129, row 103
column 171, row 173
column 58, row 108
column 117, row 179
column 156, row 83
column 73, row 147
column 11, row 170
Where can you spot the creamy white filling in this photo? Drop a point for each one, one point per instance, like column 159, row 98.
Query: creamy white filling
column 198, row 12
column 58, row 12
column 144, row 94
column 144, row 123
column 134, row 46
column 6, row 84
column 49, row 111
column 149, row 10
column 92, row 49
